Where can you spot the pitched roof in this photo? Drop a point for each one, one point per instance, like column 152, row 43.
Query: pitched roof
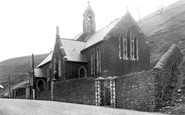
column 46, row 60
column 88, row 9
column 162, row 21
column 99, row 35
column 77, row 36
column 73, row 49
column 39, row 73
column 21, row 84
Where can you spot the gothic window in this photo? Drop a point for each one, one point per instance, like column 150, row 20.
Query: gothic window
column 82, row 72
column 132, row 50
column 121, row 47
column 136, row 57
column 128, row 44
column 59, row 67
column 95, row 62
column 98, row 60
column 92, row 64
column 124, row 48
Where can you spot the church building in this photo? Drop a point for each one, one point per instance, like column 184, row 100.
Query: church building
column 117, row 49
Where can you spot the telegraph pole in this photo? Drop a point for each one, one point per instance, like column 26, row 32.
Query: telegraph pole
column 9, row 85
column 33, row 76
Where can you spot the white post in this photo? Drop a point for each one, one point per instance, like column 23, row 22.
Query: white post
column 33, row 94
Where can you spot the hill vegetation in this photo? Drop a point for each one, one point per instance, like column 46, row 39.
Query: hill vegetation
column 17, row 68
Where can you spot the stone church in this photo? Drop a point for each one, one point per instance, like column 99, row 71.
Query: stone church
column 117, row 49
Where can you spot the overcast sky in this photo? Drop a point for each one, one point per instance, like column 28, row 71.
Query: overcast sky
column 29, row 26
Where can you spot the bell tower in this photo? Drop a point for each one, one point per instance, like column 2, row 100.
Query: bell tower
column 89, row 24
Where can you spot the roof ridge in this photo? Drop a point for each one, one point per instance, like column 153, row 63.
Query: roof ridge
column 44, row 58
column 110, row 23
column 72, row 40
column 77, row 35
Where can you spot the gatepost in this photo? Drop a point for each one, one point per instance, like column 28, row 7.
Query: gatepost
column 99, row 96
column 112, row 84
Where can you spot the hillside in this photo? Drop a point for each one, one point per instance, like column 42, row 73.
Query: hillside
column 17, row 68
column 164, row 28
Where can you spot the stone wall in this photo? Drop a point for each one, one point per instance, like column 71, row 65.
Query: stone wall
column 44, row 95
column 81, row 91
column 136, row 91
column 168, row 72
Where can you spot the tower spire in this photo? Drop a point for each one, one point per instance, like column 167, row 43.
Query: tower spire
column 57, row 32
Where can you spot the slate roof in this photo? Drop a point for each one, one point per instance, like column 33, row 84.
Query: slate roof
column 46, row 60
column 77, row 36
column 99, row 35
column 21, row 84
column 72, row 49
column 158, row 22
column 39, row 72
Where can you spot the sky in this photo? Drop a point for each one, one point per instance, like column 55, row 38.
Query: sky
column 29, row 26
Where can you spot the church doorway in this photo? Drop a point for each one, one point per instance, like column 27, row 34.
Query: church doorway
column 82, row 72
column 40, row 85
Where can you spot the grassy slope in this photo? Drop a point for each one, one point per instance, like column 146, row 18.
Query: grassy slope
column 165, row 29
column 17, row 68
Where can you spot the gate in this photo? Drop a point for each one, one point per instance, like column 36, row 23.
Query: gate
column 105, row 92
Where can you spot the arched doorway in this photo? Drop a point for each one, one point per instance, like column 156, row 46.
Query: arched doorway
column 41, row 85
column 82, row 72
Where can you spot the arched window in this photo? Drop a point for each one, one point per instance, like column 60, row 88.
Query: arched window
column 82, row 72
column 128, row 44
column 98, row 60
column 124, row 48
column 121, row 47
column 92, row 64
column 132, row 50
column 136, row 57
column 59, row 67
column 89, row 19
column 40, row 85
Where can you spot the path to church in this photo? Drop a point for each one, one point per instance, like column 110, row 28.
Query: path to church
column 35, row 107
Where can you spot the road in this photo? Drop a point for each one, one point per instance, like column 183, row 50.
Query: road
column 35, row 107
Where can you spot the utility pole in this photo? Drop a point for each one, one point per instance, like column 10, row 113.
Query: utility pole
column 9, row 85
column 33, row 77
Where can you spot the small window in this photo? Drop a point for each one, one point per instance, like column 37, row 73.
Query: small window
column 89, row 19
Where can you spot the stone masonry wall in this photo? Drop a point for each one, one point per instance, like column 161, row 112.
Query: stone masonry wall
column 136, row 91
column 168, row 72
column 81, row 91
